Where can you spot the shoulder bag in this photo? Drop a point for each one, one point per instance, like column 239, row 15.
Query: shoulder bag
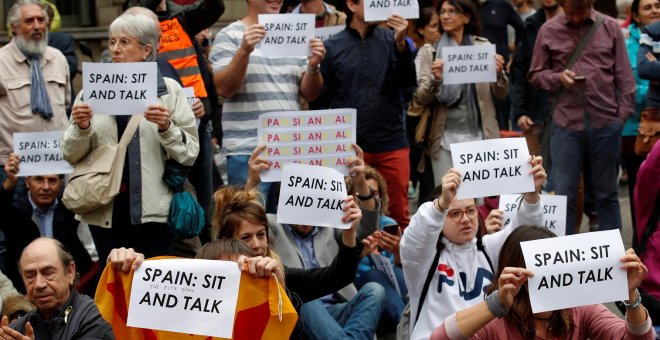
column 96, row 179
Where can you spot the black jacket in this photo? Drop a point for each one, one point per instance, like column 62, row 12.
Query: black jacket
column 526, row 99
column 20, row 230
column 83, row 321
column 368, row 75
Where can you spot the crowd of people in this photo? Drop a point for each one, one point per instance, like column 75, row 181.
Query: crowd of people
column 580, row 86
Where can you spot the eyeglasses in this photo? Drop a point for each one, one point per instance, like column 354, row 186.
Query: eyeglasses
column 450, row 12
column 456, row 215
column 122, row 43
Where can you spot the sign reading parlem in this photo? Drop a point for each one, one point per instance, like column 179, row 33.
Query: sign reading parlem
column 287, row 35
column 40, row 153
column 492, row 167
column 189, row 92
column 185, row 296
column 575, row 270
column 325, row 33
column 320, row 137
column 380, row 10
column 468, row 64
column 312, row 195
column 119, row 88
column 554, row 211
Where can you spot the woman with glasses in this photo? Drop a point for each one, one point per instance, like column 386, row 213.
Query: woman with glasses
column 462, row 112
column 137, row 217
column 441, row 247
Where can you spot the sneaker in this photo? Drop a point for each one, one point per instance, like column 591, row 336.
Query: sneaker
column 412, row 191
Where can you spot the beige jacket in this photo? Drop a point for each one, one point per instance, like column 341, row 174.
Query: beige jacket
column 15, row 93
column 179, row 141
column 428, row 90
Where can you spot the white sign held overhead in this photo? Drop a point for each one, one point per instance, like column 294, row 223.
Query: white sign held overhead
column 185, row 296
column 554, row 211
column 492, row 167
column 575, row 270
column 380, row 10
column 468, row 64
column 312, row 195
column 40, row 153
column 287, row 35
column 119, row 88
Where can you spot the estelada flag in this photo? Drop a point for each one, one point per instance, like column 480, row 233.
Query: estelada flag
column 263, row 309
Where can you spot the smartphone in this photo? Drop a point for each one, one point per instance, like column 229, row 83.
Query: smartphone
column 579, row 78
column 392, row 229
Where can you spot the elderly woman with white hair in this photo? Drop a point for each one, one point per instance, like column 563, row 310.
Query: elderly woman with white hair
column 137, row 216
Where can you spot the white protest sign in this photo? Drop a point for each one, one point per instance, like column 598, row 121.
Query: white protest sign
column 287, row 35
column 119, row 88
column 316, row 137
column 189, row 92
column 312, row 195
column 575, row 270
column 468, row 64
column 325, row 33
column 380, row 10
column 185, row 296
column 554, row 211
column 40, row 153
column 492, row 167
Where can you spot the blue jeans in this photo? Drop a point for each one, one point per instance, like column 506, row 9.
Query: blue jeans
column 237, row 173
column 598, row 152
column 356, row 319
column 396, row 300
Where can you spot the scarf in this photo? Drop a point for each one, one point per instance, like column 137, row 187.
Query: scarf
column 39, row 96
column 451, row 95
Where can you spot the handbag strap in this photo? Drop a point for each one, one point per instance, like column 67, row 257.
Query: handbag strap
column 132, row 126
column 576, row 54
column 427, row 283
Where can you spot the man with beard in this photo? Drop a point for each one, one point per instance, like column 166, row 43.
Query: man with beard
column 34, row 79
column 530, row 105
column 594, row 97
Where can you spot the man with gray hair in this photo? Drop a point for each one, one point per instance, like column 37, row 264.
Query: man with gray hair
column 35, row 88
column 592, row 98
column 49, row 274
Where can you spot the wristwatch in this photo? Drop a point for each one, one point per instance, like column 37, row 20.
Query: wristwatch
column 315, row 70
column 634, row 305
column 368, row 197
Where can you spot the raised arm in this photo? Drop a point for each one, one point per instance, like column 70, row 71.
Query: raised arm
column 229, row 78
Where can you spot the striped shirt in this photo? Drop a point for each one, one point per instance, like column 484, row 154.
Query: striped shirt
column 271, row 84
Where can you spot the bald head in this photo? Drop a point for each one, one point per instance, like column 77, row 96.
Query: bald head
column 48, row 272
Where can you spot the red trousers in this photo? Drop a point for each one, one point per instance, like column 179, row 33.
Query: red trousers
column 395, row 168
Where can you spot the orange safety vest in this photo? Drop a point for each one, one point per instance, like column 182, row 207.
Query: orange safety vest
column 177, row 48
column 257, row 311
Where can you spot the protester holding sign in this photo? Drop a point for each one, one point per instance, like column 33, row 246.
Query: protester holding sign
column 253, row 83
column 138, row 215
column 508, row 301
column 38, row 213
column 464, row 264
column 238, row 215
column 463, row 112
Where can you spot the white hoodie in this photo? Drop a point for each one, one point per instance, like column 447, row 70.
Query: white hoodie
column 463, row 271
